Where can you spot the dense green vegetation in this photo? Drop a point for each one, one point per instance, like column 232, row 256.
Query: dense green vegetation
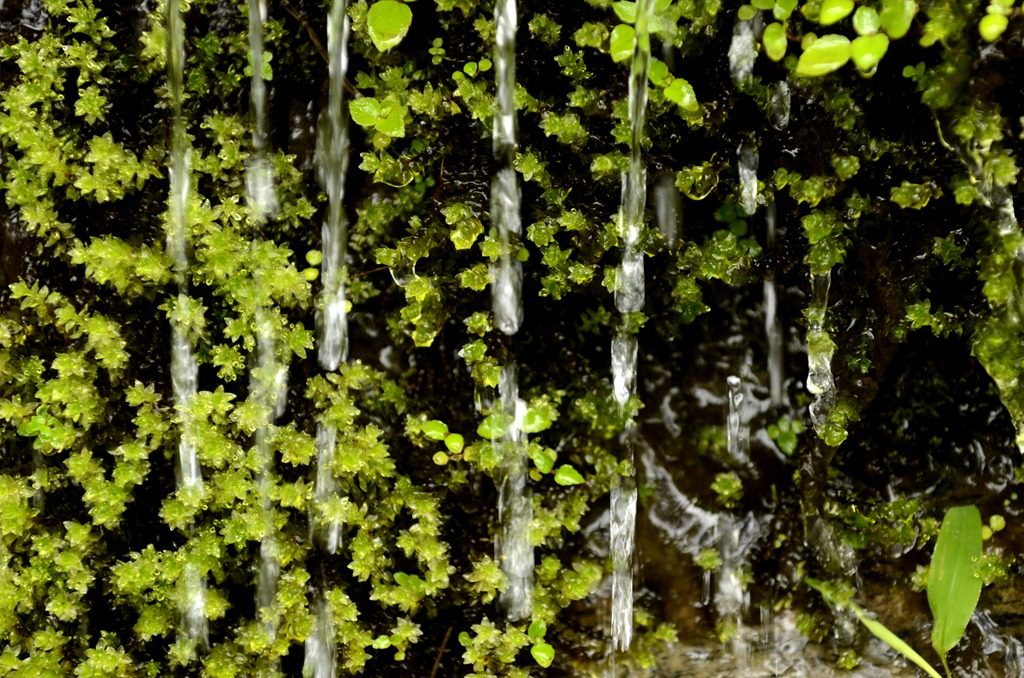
column 896, row 176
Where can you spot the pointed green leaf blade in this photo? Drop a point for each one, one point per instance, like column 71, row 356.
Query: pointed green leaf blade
column 953, row 586
column 880, row 631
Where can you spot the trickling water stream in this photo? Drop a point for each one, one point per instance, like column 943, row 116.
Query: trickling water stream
column 819, row 350
column 259, row 177
column 333, row 167
column 184, row 370
column 772, row 326
column 513, row 547
column 629, row 298
column 747, row 167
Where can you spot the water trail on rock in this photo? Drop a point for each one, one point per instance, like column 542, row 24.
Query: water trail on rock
column 184, row 372
column 514, row 547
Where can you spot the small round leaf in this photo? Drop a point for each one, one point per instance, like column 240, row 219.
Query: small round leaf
column 866, row 21
column 388, row 21
column 868, row 50
column 543, row 654
column 992, row 26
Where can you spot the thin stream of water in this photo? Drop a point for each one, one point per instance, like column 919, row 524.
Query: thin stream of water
column 629, row 298
column 184, row 371
column 772, row 326
column 513, row 546
column 259, row 176
column 737, row 432
column 333, row 168
column 321, row 652
column 332, row 160
column 819, row 351
column 747, row 167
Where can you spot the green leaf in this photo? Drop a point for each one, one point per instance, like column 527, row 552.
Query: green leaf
column 826, row 54
column 896, row 16
column 622, row 42
column 388, row 22
column 879, row 630
column 454, row 442
column 435, row 430
column 625, row 10
column 659, row 74
column 681, row 92
column 392, row 122
column 567, row 475
column 783, row 8
column 866, row 21
column 834, row 10
column 774, row 39
column 543, row 654
column 365, row 111
column 868, row 50
column 543, row 457
column 537, row 630
column 953, row 586
column 992, row 26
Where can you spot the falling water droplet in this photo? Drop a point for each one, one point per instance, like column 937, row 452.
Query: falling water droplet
column 747, row 167
column 668, row 209
column 737, row 432
column 743, row 50
column 779, row 103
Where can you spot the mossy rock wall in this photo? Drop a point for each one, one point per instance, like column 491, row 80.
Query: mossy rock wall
column 892, row 171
